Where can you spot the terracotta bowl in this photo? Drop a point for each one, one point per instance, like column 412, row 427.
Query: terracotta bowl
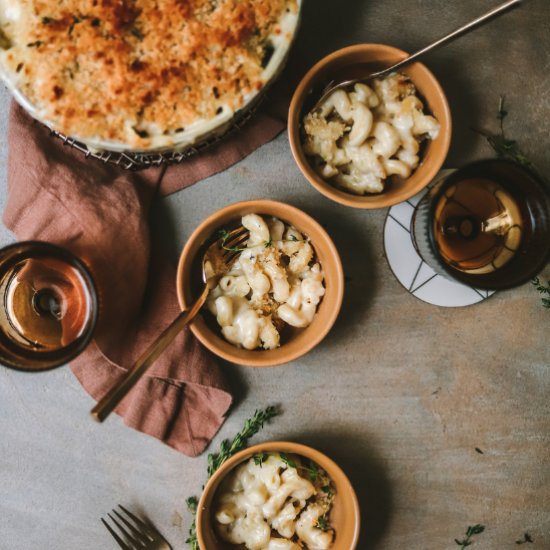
column 344, row 517
column 298, row 341
column 352, row 62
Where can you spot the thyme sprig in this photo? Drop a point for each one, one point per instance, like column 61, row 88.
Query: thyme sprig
column 227, row 449
column 251, row 427
column 504, row 147
column 470, row 532
column 192, row 504
column 544, row 290
column 526, row 538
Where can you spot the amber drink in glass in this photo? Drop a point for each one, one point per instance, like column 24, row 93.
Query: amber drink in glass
column 49, row 306
column 486, row 225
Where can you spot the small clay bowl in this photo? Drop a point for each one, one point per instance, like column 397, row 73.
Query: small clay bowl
column 296, row 342
column 344, row 516
column 356, row 61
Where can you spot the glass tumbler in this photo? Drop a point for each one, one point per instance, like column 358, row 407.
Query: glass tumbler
column 486, row 225
column 49, row 306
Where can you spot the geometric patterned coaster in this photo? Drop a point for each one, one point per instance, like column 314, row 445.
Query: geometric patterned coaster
column 413, row 272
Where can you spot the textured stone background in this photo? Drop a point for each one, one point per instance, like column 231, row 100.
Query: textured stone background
column 400, row 393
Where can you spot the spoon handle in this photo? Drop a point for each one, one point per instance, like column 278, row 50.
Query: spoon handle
column 461, row 31
column 114, row 396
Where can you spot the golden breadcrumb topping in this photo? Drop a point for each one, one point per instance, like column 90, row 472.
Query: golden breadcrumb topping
column 130, row 70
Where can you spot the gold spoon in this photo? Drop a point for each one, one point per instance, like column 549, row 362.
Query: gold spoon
column 216, row 262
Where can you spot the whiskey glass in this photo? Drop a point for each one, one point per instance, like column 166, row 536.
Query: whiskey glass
column 487, row 225
column 49, row 306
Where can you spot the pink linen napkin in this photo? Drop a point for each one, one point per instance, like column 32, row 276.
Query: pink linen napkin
column 100, row 213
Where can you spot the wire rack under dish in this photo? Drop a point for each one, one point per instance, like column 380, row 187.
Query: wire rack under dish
column 139, row 161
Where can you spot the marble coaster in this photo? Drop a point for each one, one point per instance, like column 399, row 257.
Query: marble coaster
column 409, row 268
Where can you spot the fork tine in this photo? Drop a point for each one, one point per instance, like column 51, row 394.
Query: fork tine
column 236, row 231
column 138, row 534
column 232, row 240
column 115, row 535
column 128, row 536
column 144, row 527
column 235, row 244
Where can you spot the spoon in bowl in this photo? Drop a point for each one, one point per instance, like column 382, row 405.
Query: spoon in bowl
column 216, row 262
column 461, row 31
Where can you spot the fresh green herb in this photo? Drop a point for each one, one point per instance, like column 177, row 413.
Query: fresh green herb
column 544, row 290
column 328, row 490
column 526, row 538
column 251, row 427
column 35, row 44
column 322, row 522
column 504, row 147
column 471, row 531
column 192, row 504
column 312, row 470
column 259, row 459
column 223, row 235
column 269, row 243
column 293, row 238
column 227, row 449
column 288, row 461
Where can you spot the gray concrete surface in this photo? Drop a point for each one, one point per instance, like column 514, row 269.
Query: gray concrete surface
column 400, row 393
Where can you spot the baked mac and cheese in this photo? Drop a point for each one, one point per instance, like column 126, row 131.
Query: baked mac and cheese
column 141, row 74
column 274, row 281
column 358, row 139
column 276, row 502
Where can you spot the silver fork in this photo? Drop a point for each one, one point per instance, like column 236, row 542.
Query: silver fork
column 135, row 534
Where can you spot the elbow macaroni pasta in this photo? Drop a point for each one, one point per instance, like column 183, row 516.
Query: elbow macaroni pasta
column 359, row 139
column 267, row 496
column 273, row 281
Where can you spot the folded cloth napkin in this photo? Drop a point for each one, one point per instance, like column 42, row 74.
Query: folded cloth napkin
column 100, row 213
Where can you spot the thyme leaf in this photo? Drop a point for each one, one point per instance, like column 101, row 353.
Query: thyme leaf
column 544, row 290
column 526, row 538
column 313, row 471
column 288, row 461
column 470, row 532
column 227, row 449
column 322, row 523
column 259, row 459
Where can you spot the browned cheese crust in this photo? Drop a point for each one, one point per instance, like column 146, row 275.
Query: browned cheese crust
column 124, row 70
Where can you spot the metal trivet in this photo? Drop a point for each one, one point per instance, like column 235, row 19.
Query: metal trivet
column 139, row 161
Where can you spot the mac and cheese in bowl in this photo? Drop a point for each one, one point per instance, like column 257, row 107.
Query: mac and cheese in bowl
column 358, row 139
column 278, row 495
column 275, row 501
column 310, row 272
column 275, row 281
column 370, row 168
